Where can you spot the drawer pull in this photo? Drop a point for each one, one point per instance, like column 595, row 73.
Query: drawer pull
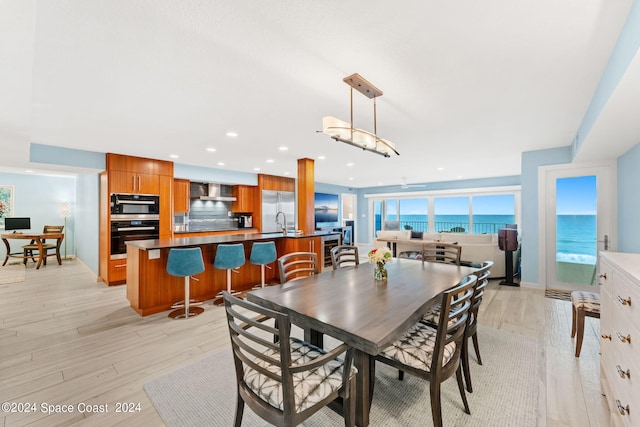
column 624, row 410
column 622, row 338
column 120, row 265
column 606, row 337
column 623, row 374
column 624, row 301
column 603, row 276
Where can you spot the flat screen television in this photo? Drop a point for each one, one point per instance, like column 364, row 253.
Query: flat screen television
column 17, row 223
column 326, row 208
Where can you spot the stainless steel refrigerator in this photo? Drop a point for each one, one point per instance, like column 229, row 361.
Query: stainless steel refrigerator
column 274, row 202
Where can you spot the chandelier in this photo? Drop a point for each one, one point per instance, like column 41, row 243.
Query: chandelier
column 345, row 132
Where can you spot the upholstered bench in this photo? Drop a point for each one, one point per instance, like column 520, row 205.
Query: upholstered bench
column 583, row 304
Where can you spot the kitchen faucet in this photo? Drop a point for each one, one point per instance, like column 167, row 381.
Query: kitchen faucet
column 284, row 223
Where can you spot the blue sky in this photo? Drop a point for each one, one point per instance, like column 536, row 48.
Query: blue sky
column 576, row 196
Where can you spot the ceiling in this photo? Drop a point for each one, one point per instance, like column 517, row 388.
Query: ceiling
column 468, row 86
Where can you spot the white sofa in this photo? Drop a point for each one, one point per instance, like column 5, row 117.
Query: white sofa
column 476, row 248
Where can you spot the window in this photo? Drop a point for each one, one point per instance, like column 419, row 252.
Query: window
column 414, row 214
column 491, row 213
column 451, row 214
column 474, row 211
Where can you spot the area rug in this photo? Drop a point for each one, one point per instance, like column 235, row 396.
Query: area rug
column 12, row 273
column 504, row 391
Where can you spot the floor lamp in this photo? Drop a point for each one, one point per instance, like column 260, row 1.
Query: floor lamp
column 65, row 212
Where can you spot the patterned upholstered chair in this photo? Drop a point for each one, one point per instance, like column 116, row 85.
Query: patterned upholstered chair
column 288, row 381
column 432, row 317
column 583, row 304
column 343, row 256
column 434, row 353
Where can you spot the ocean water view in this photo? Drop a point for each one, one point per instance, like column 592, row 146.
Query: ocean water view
column 576, row 234
column 576, row 239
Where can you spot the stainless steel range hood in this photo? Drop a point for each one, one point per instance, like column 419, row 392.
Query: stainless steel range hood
column 211, row 191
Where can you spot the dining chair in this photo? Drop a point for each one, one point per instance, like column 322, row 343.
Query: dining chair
column 297, row 265
column 432, row 317
column 433, row 353
column 288, row 381
column 344, row 256
column 28, row 250
column 448, row 253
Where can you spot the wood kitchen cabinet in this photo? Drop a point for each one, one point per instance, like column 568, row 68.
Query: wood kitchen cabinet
column 245, row 198
column 305, row 244
column 118, row 270
column 133, row 182
column 181, row 195
column 137, row 175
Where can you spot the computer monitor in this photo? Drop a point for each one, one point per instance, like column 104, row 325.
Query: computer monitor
column 17, row 223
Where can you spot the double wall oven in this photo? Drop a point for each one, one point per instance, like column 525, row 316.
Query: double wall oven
column 133, row 217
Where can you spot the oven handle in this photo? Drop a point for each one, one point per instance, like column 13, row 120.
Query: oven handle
column 135, row 228
column 135, row 202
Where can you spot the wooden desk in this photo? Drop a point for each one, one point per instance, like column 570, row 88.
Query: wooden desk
column 349, row 305
column 38, row 238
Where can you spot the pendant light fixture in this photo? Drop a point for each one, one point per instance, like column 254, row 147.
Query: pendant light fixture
column 345, row 132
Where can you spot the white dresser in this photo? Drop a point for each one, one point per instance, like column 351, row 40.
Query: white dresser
column 620, row 343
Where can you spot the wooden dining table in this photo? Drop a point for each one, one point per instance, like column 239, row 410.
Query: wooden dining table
column 368, row 315
column 37, row 238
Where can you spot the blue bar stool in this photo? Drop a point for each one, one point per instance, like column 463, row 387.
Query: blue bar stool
column 229, row 257
column 185, row 263
column 263, row 253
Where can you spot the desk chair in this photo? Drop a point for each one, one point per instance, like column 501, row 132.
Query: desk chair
column 263, row 253
column 185, row 262
column 28, row 250
column 229, row 257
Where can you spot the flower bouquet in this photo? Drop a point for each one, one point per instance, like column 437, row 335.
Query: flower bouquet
column 380, row 257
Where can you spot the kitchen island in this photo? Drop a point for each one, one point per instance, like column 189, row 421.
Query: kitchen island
column 150, row 289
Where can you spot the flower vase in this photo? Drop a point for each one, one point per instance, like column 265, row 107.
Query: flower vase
column 379, row 272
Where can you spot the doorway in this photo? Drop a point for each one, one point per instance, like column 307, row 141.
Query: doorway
column 579, row 208
column 349, row 213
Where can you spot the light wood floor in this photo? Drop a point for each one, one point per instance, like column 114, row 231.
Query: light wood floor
column 67, row 340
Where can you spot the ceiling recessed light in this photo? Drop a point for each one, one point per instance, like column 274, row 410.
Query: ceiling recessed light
column 220, row 163
column 459, row 176
column 286, row 173
column 380, row 183
column 350, row 178
column 256, row 169
column 350, row 164
column 283, row 148
column 211, row 150
column 232, row 134
column 28, row 171
column 269, row 160
column 322, row 157
column 440, row 168
column 173, row 156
